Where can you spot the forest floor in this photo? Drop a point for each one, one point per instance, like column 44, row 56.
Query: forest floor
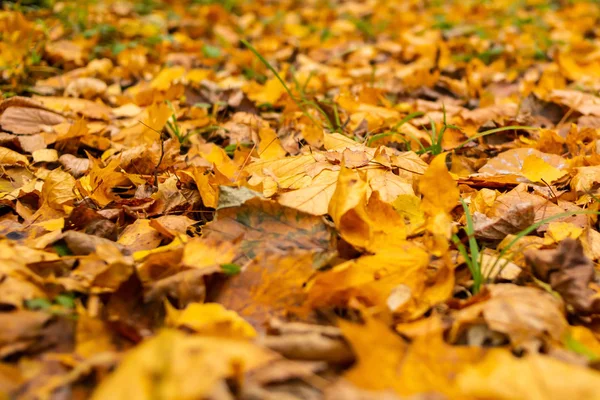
column 299, row 200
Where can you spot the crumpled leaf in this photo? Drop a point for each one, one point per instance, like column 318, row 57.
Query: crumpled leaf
column 140, row 236
column 103, row 272
column 521, row 313
column 518, row 217
column 58, row 189
column 584, row 103
column 364, row 222
column 569, row 272
column 309, row 342
column 85, row 87
column 509, row 206
column 10, row 157
column 376, row 280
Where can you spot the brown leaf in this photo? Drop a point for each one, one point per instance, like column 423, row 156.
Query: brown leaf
column 20, row 330
column 266, row 227
column 85, row 87
column 584, row 103
column 522, row 313
column 309, row 346
column 75, row 166
column 82, row 244
column 186, row 287
column 569, row 272
column 83, row 107
column 518, row 217
column 27, row 121
column 270, row 286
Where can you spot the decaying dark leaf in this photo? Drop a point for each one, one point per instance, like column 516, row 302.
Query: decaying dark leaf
column 569, row 272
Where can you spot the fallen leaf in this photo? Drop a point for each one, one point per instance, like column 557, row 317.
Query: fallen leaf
column 24, row 116
column 9, row 157
column 569, row 272
column 537, row 170
column 513, row 220
column 210, row 319
column 266, row 227
column 375, row 280
column 540, row 377
column 377, row 367
column 521, row 313
column 162, row 364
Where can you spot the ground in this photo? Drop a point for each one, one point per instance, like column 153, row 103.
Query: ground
column 299, row 200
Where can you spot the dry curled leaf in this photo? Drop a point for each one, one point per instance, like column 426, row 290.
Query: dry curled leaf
column 569, row 272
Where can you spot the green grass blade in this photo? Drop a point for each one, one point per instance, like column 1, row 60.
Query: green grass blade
column 492, row 131
column 474, row 248
column 394, row 130
column 285, row 86
column 407, row 118
column 463, row 252
column 532, row 228
column 268, row 65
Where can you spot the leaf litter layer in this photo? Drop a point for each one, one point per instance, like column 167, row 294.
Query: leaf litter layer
column 285, row 200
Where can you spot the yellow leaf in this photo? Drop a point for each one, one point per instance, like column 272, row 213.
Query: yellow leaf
column 409, row 207
column 315, row 197
column 558, row 231
column 586, row 337
column 376, row 280
column 431, row 365
column 217, row 156
column 52, row 224
column 313, row 134
column 388, row 184
column 539, row 378
column 11, row 157
column 377, row 365
column 439, row 189
column 269, row 147
column 45, row 155
column 166, row 77
column 537, row 170
column 140, row 236
column 198, row 75
column 268, row 93
column 178, row 242
column 154, row 119
column 336, row 141
column 210, row 319
column 92, row 336
column 174, row 366
column 58, row 189
column 362, row 221
column 201, row 253
column 99, row 182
